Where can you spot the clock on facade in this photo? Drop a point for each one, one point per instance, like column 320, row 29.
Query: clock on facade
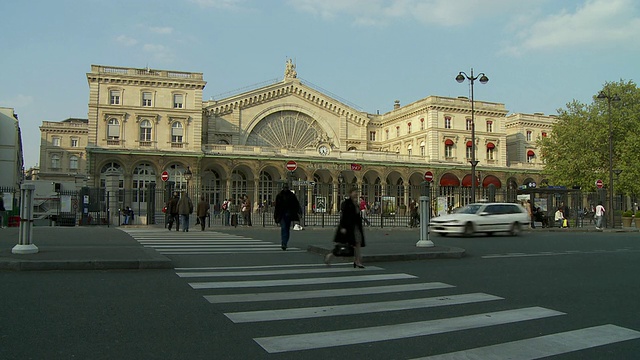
column 323, row 150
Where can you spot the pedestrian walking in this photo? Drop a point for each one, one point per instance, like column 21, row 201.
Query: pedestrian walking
column 172, row 210
column 350, row 229
column 413, row 212
column 185, row 208
column 246, row 210
column 128, row 215
column 2, row 211
column 363, row 211
column 599, row 215
column 202, row 209
column 286, row 211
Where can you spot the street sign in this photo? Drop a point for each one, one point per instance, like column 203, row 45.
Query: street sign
column 599, row 184
column 165, row 176
column 428, row 176
column 292, row 165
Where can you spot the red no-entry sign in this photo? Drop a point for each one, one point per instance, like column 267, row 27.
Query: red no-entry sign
column 164, row 176
column 292, row 165
column 599, row 184
column 428, row 176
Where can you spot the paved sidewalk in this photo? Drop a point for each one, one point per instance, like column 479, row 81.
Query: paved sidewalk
column 79, row 248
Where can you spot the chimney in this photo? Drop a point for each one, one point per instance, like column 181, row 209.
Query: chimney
column 396, row 104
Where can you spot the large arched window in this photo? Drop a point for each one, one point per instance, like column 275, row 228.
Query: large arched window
column 238, row 185
column 266, row 190
column 145, row 131
column 176, row 172
column 143, row 175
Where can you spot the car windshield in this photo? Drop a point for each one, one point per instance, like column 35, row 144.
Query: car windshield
column 469, row 209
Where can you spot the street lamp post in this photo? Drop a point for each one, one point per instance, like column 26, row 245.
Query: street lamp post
column 187, row 176
column 610, row 97
column 483, row 80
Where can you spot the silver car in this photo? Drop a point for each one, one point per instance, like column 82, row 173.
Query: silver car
column 488, row 218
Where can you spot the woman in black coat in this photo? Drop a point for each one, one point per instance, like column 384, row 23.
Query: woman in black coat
column 350, row 228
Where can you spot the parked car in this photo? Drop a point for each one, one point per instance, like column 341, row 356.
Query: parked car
column 486, row 218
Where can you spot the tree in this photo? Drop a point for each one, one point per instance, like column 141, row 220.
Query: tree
column 577, row 151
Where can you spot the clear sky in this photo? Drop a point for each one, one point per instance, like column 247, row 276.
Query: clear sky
column 538, row 54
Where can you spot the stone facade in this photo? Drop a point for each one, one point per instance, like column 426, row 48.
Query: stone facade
column 143, row 122
column 63, row 150
column 11, row 156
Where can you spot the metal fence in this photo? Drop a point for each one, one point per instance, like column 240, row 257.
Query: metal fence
column 387, row 205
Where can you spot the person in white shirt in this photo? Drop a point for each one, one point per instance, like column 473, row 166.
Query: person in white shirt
column 559, row 217
column 599, row 215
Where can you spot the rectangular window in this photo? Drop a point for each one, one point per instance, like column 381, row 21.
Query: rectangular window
column 372, row 136
column 387, row 134
column 409, row 128
column 176, row 135
column 530, row 158
column 447, row 122
column 529, row 135
column 397, row 131
column 55, row 141
column 491, row 154
column 422, row 153
column 145, row 134
column 55, row 162
column 544, row 134
column 421, row 124
column 469, row 124
column 489, row 126
column 409, row 152
column 469, row 152
column 146, row 99
column 74, row 142
column 113, row 131
column 448, row 151
column 114, row 97
column 73, row 163
column 178, row 101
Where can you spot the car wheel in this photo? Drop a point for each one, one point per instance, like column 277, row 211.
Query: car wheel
column 468, row 229
column 516, row 229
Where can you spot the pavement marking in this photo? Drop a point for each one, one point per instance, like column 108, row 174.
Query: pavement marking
column 206, row 241
column 543, row 346
column 258, row 267
column 352, row 309
column 273, row 272
column 228, row 251
column 314, row 294
column 278, row 344
column 205, row 246
column 568, row 252
column 292, row 282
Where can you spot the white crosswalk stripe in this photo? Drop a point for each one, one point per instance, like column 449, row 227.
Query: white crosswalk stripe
column 202, row 242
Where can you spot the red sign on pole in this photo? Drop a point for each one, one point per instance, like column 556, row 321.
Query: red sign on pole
column 428, row 176
column 292, row 165
column 599, row 184
column 165, row 176
column 356, row 167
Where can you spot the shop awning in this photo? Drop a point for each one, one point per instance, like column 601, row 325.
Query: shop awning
column 490, row 145
column 531, row 153
column 448, row 142
column 449, row 179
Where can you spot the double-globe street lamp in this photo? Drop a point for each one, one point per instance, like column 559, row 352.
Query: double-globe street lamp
column 483, row 80
column 187, row 176
column 610, row 97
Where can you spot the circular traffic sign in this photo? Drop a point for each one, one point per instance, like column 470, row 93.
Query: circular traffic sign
column 292, row 165
column 599, row 184
column 428, row 176
column 165, row 176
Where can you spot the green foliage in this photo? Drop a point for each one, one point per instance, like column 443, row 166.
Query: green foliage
column 637, row 214
column 577, row 151
column 627, row 213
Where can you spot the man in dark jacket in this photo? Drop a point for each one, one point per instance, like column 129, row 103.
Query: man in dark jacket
column 172, row 210
column 287, row 210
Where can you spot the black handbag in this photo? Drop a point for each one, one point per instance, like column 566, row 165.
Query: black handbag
column 343, row 250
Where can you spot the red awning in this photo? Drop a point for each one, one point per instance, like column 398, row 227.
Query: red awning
column 490, row 179
column 490, row 145
column 449, row 180
column 466, row 180
column 448, row 142
column 469, row 144
column 531, row 153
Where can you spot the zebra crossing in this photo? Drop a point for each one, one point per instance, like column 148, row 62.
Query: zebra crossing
column 197, row 242
column 274, row 295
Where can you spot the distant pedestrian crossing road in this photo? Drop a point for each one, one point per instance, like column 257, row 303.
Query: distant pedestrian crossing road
column 202, row 242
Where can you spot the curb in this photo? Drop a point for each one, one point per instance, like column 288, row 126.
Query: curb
column 40, row 265
column 436, row 253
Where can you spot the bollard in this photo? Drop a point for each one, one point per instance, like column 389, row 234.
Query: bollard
column 424, row 216
column 24, row 245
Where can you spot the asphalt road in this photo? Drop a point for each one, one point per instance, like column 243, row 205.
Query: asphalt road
column 227, row 306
